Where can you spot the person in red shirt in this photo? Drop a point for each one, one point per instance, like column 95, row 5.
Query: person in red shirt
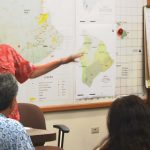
column 12, row 62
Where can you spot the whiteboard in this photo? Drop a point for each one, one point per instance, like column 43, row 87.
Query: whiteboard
column 50, row 29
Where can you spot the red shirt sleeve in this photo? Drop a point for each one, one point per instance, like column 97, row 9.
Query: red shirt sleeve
column 23, row 68
column 12, row 62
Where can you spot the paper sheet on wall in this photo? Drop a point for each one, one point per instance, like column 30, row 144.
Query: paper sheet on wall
column 147, row 45
column 50, row 29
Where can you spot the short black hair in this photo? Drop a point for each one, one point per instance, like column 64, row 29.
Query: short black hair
column 8, row 90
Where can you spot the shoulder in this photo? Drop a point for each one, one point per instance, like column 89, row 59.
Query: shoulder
column 11, row 125
column 6, row 48
column 13, row 135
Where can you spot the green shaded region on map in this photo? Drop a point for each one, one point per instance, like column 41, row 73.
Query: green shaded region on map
column 98, row 63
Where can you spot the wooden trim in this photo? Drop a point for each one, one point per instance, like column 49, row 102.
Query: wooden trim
column 67, row 107
column 148, row 3
column 148, row 90
column 75, row 106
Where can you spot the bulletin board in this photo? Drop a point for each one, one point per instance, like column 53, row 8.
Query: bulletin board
column 109, row 33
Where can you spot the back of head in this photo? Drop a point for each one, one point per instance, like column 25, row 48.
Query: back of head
column 8, row 90
column 129, row 124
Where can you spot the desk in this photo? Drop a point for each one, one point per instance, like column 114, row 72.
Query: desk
column 40, row 136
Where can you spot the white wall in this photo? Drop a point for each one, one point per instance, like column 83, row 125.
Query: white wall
column 80, row 123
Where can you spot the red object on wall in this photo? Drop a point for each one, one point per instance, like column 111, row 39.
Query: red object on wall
column 120, row 31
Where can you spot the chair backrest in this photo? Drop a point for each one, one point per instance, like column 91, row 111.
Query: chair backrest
column 32, row 116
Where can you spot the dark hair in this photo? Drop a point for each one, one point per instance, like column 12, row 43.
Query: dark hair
column 128, row 125
column 8, row 90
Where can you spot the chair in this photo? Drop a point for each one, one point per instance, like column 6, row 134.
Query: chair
column 32, row 116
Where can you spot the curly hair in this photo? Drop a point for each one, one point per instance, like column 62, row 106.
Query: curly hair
column 128, row 125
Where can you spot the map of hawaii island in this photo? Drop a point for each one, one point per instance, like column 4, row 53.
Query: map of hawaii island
column 96, row 60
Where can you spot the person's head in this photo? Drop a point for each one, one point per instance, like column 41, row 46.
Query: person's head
column 8, row 90
column 127, row 114
column 128, row 124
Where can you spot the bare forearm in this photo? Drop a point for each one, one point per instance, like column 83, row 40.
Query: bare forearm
column 45, row 68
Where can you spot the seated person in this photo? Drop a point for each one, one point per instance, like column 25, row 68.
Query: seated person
column 13, row 136
column 128, row 125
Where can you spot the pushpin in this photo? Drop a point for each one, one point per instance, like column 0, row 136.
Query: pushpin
column 120, row 31
column 19, row 46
